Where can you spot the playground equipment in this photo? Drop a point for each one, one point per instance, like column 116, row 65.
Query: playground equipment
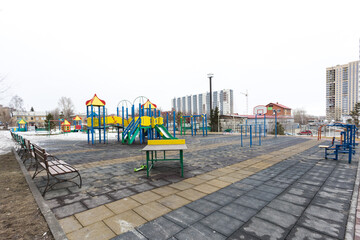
column 22, row 126
column 248, row 130
column 347, row 141
column 77, row 122
column 193, row 124
column 148, row 123
column 95, row 113
column 65, row 126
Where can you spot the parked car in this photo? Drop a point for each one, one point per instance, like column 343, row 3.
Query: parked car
column 306, row 132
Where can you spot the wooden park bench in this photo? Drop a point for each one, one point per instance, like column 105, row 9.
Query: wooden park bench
column 54, row 168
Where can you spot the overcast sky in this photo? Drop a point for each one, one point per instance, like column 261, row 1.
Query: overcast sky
column 276, row 50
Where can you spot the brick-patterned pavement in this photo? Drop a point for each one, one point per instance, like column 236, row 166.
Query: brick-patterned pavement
column 283, row 189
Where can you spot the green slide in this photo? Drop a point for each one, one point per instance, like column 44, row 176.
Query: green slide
column 164, row 132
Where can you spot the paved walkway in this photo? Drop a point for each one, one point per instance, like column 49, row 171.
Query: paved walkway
column 283, row 189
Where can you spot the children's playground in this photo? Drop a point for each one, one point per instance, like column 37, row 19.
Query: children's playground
column 147, row 175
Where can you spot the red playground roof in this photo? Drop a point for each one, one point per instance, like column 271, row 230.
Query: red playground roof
column 95, row 101
column 147, row 104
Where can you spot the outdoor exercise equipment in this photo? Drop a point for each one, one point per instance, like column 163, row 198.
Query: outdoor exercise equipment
column 193, row 124
column 347, row 143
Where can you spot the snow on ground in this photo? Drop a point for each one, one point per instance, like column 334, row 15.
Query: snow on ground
column 6, row 141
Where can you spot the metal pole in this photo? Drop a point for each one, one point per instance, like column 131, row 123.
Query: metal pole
column 264, row 125
column 210, row 95
column 259, row 135
column 241, row 135
column 246, row 128
column 174, row 122
column 255, row 123
column 275, row 123
column 250, row 135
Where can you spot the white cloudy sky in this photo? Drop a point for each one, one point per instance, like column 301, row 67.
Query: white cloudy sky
column 277, row 50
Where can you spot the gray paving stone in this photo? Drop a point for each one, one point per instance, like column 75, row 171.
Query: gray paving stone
column 99, row 191
column 301, row 192
column 263, row 229
column 282, row 219
column 160, row 228
column 334, row 196
column 219, row 198
column 287, row 207
column 122, row 193
column 222, row 223
column 251, row 202
column 307, row 187
column 203, row 206
column 58, row 193
column 277, row 184
column 232, row 192
column 68, row 210
column 75, row 197
column 239, row 212
column 270, row 189
column 142, row 187
column 326, row 213
column 159, row 182
column 241, row 235
column 300, row 233
column 252, row 182
column 184, row 216
column 130, row 235
column 339, row 206
column 294, row 199
column 96, row 201
column 327, row 227
column 311, row 182
column 242, row 186
column 265, row 196
column 199, row 231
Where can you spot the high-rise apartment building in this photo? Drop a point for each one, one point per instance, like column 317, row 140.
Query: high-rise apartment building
column 200, row 103
column 342, row 90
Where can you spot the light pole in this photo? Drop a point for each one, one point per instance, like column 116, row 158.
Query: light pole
column 210, row 75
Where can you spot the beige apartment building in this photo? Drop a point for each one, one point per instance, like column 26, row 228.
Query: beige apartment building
column 33, row 118
column 342, row 90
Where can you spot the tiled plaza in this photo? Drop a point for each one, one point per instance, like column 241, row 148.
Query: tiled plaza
column 283, row 189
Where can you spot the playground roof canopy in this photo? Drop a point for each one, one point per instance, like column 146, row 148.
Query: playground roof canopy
column 77, row 118
column 66, row 123
column 22, row 121
column 95, row 101
column 148, row 103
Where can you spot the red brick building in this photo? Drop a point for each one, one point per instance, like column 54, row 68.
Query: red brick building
column 281, row 109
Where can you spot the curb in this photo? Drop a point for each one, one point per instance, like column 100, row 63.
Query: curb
column 350, row 226
column 50, row 218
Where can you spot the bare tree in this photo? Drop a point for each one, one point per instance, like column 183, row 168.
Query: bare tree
column 66, row 106
column 17, row 103
column 5, row 117
column 300, row 116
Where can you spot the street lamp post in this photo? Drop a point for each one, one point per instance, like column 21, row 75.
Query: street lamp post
column 210, row 75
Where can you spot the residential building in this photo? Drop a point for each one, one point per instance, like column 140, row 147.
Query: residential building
column 342, row 90
column 280, row 109
column 33, row 118
column 200, row 103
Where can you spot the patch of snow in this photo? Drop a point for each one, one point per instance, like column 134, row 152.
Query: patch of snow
column 6, row 142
